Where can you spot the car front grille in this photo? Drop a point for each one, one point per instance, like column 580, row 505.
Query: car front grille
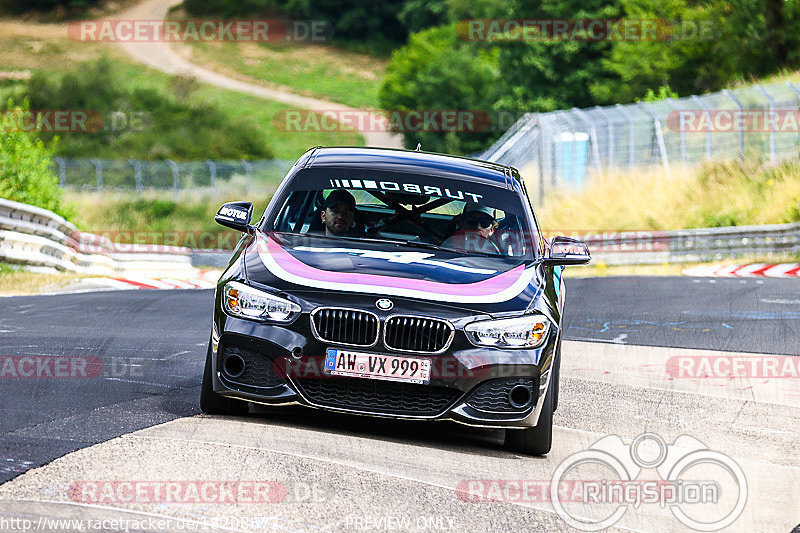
column 259, row 370
column 492, row 396
column 417, row 334
column 345, row 326
column 378, row 396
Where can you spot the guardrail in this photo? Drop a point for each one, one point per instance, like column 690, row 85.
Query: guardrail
column 694, row 245
column 34, row 236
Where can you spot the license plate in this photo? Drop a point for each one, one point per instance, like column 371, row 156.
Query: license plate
column 376, row 366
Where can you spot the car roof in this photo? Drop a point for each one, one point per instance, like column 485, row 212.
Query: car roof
column 413, row 162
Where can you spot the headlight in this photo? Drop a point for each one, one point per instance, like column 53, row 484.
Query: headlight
column 246, row 302
column 527, row 331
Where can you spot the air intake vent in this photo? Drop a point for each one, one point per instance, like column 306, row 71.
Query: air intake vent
column 379, row 397
column 417, row 334
column 345, row 326
column 494, row 396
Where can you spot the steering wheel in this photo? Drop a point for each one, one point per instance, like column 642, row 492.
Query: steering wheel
column 504, row 236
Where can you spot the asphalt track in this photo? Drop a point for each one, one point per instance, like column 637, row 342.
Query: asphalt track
column 152, row 346
column 730, row 314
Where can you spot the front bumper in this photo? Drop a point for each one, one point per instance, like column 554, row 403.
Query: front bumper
column 469, row 384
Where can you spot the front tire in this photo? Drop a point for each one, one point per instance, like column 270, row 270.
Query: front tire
column 556, row 375
column 212, row 403
column 539, row 439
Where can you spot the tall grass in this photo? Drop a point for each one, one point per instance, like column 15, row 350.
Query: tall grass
column 713, row 194
column 118, row 215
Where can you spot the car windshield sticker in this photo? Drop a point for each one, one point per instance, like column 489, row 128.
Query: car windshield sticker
column 420, row 258
column 499, row 288
column 394, row 186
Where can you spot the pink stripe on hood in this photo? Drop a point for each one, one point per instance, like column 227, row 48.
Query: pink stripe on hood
column 487, row 287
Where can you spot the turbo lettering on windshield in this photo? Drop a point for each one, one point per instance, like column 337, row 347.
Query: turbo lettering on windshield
column 393, row 186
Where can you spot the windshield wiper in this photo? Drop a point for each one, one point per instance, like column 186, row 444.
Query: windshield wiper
column 431, row 246
column 414, row 244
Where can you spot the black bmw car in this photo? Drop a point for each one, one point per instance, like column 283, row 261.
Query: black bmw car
column 398, row 284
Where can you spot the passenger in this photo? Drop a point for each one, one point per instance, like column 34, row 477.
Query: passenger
column 476, row 224
column 339, row 214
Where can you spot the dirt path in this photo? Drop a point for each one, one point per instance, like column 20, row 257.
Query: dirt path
column 161, row 56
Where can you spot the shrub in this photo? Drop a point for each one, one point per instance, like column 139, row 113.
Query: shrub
column 157, row 124
column 25, row 172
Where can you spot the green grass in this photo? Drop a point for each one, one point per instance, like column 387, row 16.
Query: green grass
column 156, row 218
column 259, row 112
column 315, row 70
column 285, row 145
column 42, row 47
column 15, row 280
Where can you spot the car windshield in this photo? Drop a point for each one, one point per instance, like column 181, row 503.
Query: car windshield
column 415, row 210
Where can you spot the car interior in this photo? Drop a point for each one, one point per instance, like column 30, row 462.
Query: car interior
column 397, row 216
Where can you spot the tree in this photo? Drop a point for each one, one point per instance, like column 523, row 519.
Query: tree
column 706, row 45
column 548, row 73
column 438, row 71
column 23, row 6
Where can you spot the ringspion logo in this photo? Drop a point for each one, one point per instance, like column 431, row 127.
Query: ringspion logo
column 704, row 489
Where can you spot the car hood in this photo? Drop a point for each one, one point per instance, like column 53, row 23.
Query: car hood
column 297, row 263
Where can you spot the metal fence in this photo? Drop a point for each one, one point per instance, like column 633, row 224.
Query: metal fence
column 138, row 175
column 564, row 148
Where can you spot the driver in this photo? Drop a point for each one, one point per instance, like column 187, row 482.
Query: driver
column 339, row 214
column 476, row 225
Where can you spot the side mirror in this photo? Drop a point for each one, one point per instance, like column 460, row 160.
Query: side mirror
column 235, row 215
column 565, row 251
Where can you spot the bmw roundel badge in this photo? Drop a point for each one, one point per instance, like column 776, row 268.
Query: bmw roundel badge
column 384, row 304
